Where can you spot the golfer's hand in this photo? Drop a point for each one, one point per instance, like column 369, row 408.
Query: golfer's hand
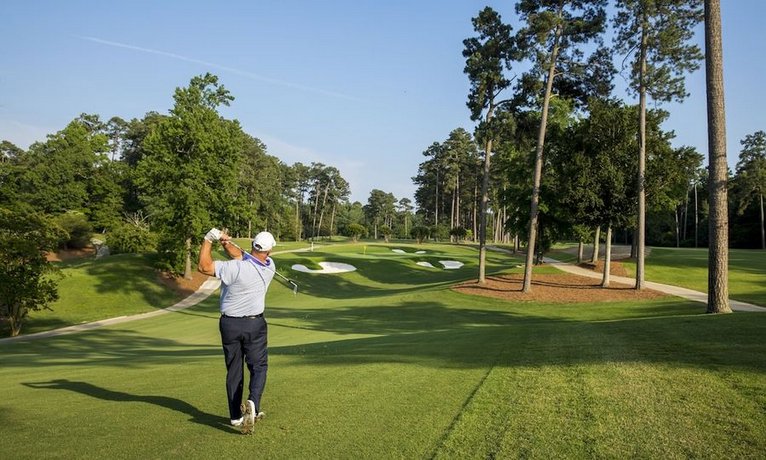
column 213, row 235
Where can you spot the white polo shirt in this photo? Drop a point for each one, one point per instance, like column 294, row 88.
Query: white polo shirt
column 243, row 285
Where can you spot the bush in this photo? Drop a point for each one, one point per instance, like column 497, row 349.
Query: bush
column 420, row 233
column 355, row 231
column 386, row 231
column 440, row 232
column 459, row 233
column 78, row 229
column 130, row 238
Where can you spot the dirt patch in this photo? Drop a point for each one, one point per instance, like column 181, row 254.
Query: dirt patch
column 63, row 255
column 615, row 268
column 555, row 288
column 180, row 285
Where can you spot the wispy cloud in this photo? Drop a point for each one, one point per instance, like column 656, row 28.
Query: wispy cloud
column 243, row 73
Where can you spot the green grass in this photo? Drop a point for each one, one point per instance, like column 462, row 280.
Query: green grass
column 687, row 267
column 388, row 362
column 93, row 289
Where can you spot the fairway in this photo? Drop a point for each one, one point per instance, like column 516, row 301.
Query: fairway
column 388, row 362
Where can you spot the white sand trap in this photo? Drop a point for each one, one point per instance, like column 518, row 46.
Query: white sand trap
column 402, row 251
column 451, row 264
column 327, row 267
column 426, row 264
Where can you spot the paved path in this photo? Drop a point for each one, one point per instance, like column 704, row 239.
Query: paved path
column 204, row 291
column 677, row 291
column 207, row 288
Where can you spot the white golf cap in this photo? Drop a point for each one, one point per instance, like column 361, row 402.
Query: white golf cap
column 264, row 241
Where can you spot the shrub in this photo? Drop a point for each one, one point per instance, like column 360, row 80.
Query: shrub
column 420, row 232
column 78, row 229
column 355, row 231
column 130, row 238
column 459, row 233
column 386, row 231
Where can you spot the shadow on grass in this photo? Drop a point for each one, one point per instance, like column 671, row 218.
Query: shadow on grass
column 88, row 389
column 670, row 332
column 104, row 346
column 390, row 275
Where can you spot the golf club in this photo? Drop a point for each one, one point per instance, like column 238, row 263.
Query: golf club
column 246, row 255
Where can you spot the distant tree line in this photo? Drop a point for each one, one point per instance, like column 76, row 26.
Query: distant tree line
column 159, row 181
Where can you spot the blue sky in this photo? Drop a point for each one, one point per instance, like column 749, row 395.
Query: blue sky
column 361, row 85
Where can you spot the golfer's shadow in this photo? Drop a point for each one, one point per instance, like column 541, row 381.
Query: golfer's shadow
column 197, row 416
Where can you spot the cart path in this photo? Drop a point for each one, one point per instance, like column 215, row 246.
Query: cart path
column 677, row 291
column 205, row 290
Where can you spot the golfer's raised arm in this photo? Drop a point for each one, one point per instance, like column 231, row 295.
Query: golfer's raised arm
column 206, row 264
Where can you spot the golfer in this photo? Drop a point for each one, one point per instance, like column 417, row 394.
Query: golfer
column 244, row 282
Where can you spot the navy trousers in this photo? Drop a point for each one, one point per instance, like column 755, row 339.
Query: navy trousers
column 244, row 339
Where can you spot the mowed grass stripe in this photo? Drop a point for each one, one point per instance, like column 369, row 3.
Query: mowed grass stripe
column 611, row 398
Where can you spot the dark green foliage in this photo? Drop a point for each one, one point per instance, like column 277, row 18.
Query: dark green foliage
column 420, row 233
column 553, row 34
column 662, row 32
column 128, row 237
column 77, row 230
column 57, row 175
column 187, row 178
column 487, row 56
column 25, row 281
column 459, row 233
column 356, row 231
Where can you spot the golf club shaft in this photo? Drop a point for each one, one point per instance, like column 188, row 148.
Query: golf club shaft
column 245, row 254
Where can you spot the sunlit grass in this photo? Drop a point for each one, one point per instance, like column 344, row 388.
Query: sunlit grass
column 388, row 362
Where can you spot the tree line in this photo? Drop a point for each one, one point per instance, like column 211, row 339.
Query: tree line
column 156, row 184
column 556, row 155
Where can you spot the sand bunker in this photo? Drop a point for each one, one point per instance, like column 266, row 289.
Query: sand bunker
column 402, row 251
column 451, row 264
column 327, row 267
column 448, row 264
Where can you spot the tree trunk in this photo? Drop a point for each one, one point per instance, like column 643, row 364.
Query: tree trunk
column 535, row 202
column 436, row 200
column 678, row 229
column 696, row 217
column 483, row 211
column 596, row 241
column 298, row 226
column 14, row 319
column 316, row 210
column 580, row 247
column 686, row 214
column 641, row 228
column 332, row 219
column 474, row 223
column 763, row 233
column 607, row 258
column 718, row 252
column 321, row 211
column 188, row 265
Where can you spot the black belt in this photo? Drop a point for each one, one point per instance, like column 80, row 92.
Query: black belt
column 244, row 317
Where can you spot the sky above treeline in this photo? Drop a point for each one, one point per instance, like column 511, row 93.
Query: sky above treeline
column 365, row 86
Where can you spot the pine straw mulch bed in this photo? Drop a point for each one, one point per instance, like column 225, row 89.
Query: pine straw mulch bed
column 558, row 288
